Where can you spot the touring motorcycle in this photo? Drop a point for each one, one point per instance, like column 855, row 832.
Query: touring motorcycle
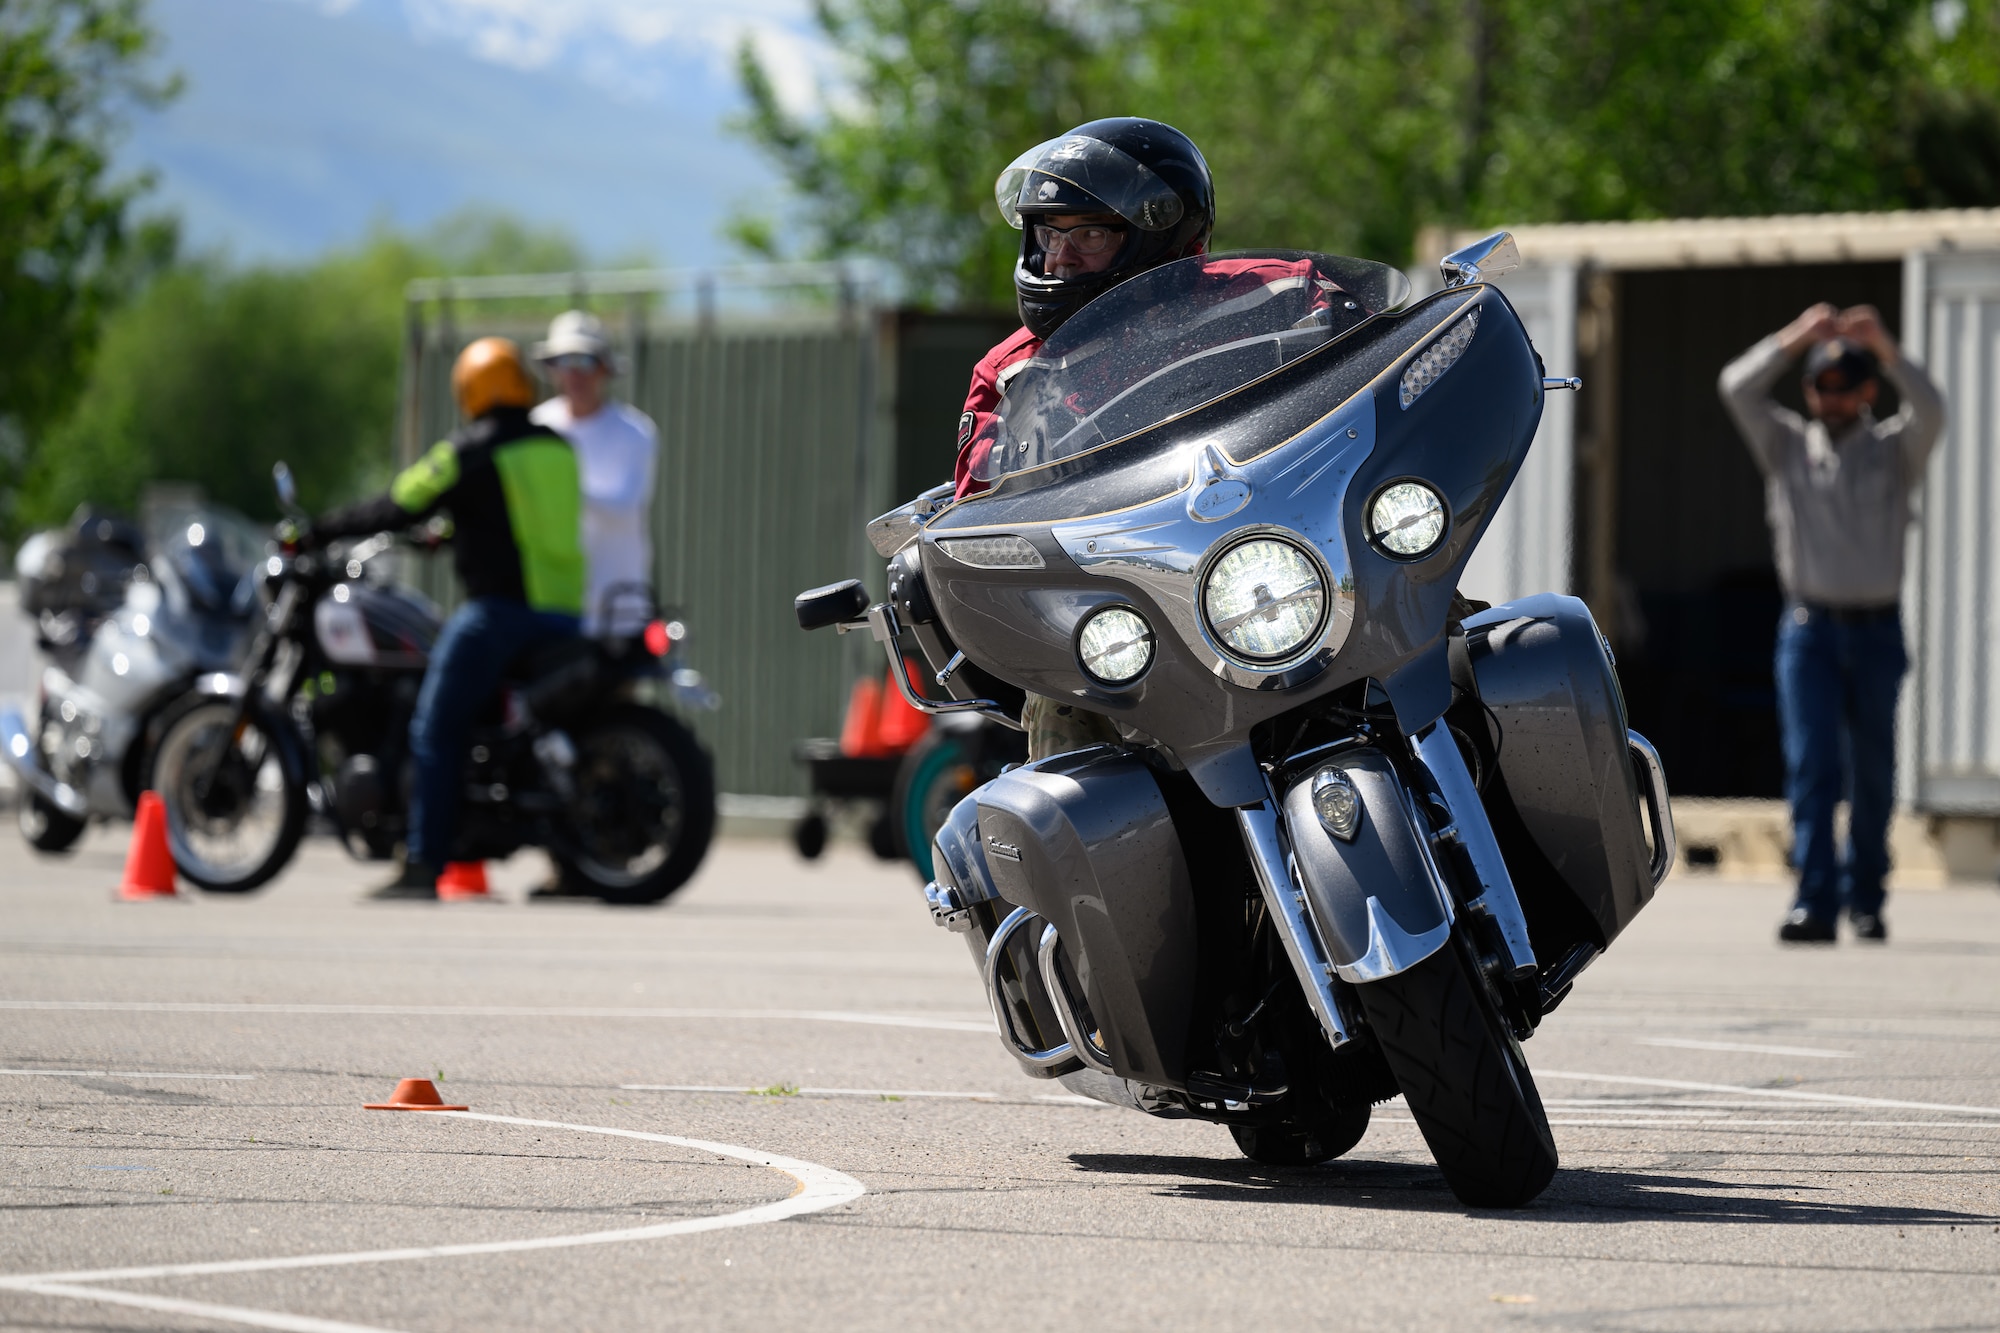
column 571, row 755
column 125, row 623
column 1358, row 837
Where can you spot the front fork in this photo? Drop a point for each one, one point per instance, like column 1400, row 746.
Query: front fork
column 1490, row 905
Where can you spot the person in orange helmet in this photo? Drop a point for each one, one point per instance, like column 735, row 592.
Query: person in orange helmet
column 512, row 491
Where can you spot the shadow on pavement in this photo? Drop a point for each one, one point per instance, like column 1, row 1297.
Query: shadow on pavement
column 1576, row 1195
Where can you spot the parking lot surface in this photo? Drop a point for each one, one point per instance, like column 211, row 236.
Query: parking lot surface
column 778, row 1102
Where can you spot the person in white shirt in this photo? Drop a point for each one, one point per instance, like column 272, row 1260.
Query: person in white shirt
column 617, row 449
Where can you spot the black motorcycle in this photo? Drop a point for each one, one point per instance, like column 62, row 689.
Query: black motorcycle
column 1358, row 837
column 569, row 756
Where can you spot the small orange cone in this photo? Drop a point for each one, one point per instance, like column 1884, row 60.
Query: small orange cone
column 462, row 880
column 149, row 865
column 413, row 1094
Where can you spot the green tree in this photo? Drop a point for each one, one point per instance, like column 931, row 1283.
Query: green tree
column 210, row 375
column 69, row 71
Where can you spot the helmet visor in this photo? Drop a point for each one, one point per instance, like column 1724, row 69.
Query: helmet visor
column 1047, row 177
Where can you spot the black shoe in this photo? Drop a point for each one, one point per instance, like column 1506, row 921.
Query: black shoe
column 1869, row 926
column 559, row 890
column 416, row 883
column 1802, row 927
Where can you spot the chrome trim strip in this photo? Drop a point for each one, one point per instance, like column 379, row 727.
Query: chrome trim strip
column 1391, row 949
column 996, row 949
column 1291, row 916
column 1080, row 1044
column 1653, row 777
column 1438, row 751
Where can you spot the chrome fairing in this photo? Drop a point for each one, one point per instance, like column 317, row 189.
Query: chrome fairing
column 1300, row 453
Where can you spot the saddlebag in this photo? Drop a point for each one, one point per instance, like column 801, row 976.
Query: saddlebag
column 1086, row 843
column 1565, row 793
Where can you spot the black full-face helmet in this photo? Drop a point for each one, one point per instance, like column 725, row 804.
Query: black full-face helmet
column 1148, row 174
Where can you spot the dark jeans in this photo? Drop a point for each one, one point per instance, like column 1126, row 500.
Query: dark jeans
column 475, row 646
column 1837, row 681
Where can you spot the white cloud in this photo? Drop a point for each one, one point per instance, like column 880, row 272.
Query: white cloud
column 631, row 47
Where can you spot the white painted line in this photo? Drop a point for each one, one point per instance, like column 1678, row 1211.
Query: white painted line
column 806, row 1092
column 1750, row 1124
column 819, row 1188
column 228, row 1314
column 925, row 1021
column 119, row 1073
column 1690, row 1044
column 1828, row 1098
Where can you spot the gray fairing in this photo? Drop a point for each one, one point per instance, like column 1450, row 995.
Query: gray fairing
column 1313, row 443
column 1565, row 769
column 1085, row 841
column 1375, row 898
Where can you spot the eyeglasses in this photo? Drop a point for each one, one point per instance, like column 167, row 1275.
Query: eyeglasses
column 574, row 361
column 1087, row 238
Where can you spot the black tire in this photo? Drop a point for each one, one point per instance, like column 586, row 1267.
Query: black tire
column 1466, row 1083
column 1304, row 1143
column 48, row 829
column 252, row 793
column 882, row 838
column 809, row 836
column 644, row 811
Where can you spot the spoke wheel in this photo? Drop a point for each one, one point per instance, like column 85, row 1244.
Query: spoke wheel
column 644, row 808
column 236, row 805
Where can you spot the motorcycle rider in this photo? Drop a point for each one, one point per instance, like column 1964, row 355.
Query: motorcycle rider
column 512, row 491
column 1110, row 199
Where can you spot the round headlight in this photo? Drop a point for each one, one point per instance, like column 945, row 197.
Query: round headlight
column 1264, row 599
column 1116, row 645
column 1406, row 520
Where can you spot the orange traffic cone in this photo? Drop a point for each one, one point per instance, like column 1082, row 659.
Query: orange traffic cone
column 461, row 881
column 413, row 1094
column 149, row 865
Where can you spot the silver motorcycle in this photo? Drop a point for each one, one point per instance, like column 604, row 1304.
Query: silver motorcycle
column 1348, row 835
column 124, row 628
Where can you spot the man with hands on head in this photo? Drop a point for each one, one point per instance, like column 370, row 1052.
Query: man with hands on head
column 1837, row 485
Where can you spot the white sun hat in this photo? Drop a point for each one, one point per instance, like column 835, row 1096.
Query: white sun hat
column 577, row 333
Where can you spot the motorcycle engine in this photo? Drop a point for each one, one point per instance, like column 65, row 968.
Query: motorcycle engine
column 360, row 793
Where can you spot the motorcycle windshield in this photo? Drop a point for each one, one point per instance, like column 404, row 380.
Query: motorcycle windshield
column 1173, row 338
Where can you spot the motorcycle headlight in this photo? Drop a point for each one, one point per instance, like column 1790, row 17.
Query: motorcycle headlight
column 1406, row 520
column 1116, row 645
column 1264, row 599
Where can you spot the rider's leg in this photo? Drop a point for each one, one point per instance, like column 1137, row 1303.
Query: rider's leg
column 1056, row 727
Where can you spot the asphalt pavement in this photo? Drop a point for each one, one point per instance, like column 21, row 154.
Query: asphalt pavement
column 778, row 1102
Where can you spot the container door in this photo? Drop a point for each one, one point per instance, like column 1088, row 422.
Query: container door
column 1948, row 728
column 1527, row 549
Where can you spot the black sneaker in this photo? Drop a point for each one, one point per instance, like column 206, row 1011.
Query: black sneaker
column 1802, row 927
column 416, row 883
column 1869, row 926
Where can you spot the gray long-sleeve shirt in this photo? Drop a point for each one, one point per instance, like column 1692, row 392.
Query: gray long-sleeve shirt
column 1838, row 505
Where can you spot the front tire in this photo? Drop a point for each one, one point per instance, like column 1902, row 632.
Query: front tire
column 48, row 829
column 644, row 810
column 236, row 806
column 1465, row 1081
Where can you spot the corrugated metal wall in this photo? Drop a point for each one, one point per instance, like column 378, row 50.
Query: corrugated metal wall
column 775, row 448
column 1950, row 732
column 1528, row 548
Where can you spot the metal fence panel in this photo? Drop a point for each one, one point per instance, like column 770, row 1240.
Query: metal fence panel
column 1950, row 731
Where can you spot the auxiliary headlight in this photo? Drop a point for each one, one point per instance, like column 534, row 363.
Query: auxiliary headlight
column 1406, row 520
column 1116, row 645
column 1336, row 803
column 1264, row 599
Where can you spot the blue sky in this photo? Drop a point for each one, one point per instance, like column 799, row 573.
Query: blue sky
column 304, row 121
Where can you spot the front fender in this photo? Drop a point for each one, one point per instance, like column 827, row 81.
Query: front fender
column 1378, row 900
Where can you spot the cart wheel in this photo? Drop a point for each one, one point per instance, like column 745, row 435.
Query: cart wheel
column 809, row 835
column 884, row 838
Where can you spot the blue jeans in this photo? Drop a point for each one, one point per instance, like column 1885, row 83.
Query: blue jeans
column 1837, row 683
column 475, row 646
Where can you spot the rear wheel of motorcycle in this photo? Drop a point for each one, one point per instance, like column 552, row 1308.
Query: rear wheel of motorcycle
column 1466, row 1083
column 1304, row 1143
column 644, row 809
column 235, row 810
column 46, row 826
